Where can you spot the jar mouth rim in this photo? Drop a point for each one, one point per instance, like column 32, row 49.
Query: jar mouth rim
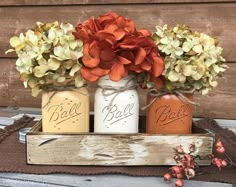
column 106, row 81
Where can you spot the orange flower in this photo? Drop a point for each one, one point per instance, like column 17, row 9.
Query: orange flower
column 113, row 46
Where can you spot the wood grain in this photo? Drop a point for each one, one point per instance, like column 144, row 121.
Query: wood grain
column 217, row 19
column 4, row 82
column 112, row 150
column 79, row 2
column 220, row 103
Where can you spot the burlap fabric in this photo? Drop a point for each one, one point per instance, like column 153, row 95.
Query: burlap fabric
column 13, row 157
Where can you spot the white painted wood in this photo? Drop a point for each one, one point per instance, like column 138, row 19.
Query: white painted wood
column 4, row 121
column 106, row 149
column 63, row 180
column 36, row 117
column 22, row 110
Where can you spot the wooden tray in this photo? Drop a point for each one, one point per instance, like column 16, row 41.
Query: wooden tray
column 112, row 149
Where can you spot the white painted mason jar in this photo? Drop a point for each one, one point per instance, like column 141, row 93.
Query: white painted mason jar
column 116, row 106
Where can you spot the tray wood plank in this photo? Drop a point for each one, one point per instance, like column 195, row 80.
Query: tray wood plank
column 111, row 150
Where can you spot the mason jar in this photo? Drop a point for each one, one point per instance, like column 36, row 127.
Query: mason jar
column 169, row 114
column 65, row 110
column 116, row 106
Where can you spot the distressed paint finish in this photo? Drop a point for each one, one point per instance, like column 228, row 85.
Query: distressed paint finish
column 112, row 150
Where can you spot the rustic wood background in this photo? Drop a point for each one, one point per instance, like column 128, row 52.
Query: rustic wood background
column 215, row 17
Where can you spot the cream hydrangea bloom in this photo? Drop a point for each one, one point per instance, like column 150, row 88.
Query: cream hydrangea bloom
column 192, row 59
column 48, row 55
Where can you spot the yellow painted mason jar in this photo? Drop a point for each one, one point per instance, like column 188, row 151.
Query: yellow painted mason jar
column 65, row 110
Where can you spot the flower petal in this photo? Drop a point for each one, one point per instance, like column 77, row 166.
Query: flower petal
column 140, row 56
column 106, row 64
column 135, row 68
column 87, row 59
column 117, row 71
column 124, row 60
column 93, row 24
column 99, row 71
column 128, row 55
column 157, row 66
column 104, row 35
column 146, row 65
column 121, row 22
column 119, row 34
column 87, row 75
column 144, row 32
column 74, row 69
column 158, row 82
column 110, row 28
column 128, row 46
column 129, row 43
column 94, row 49
column 81, row 33
column 107, row 55
column 130, row 26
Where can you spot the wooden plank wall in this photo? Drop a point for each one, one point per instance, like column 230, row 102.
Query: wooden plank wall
column 215, row 17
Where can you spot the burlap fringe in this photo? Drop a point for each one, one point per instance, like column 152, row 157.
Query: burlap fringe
column 21, row 123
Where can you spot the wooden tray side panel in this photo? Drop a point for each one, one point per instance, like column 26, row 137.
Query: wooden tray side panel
column 112, row 150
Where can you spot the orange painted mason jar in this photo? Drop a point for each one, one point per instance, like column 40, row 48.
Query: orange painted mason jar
column 169, row 114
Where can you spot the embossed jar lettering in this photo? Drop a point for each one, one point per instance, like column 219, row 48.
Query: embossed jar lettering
column 113, row 114
column 169, row 115
column 60, row 113
column 65, row 111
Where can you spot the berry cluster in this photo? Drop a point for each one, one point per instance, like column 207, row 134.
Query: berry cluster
column 187, row 167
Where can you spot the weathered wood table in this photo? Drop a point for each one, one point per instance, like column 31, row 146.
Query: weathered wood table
column 29, row 180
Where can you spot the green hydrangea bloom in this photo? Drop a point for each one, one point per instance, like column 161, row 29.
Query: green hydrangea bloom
column 192, row 59
column 48, row 55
